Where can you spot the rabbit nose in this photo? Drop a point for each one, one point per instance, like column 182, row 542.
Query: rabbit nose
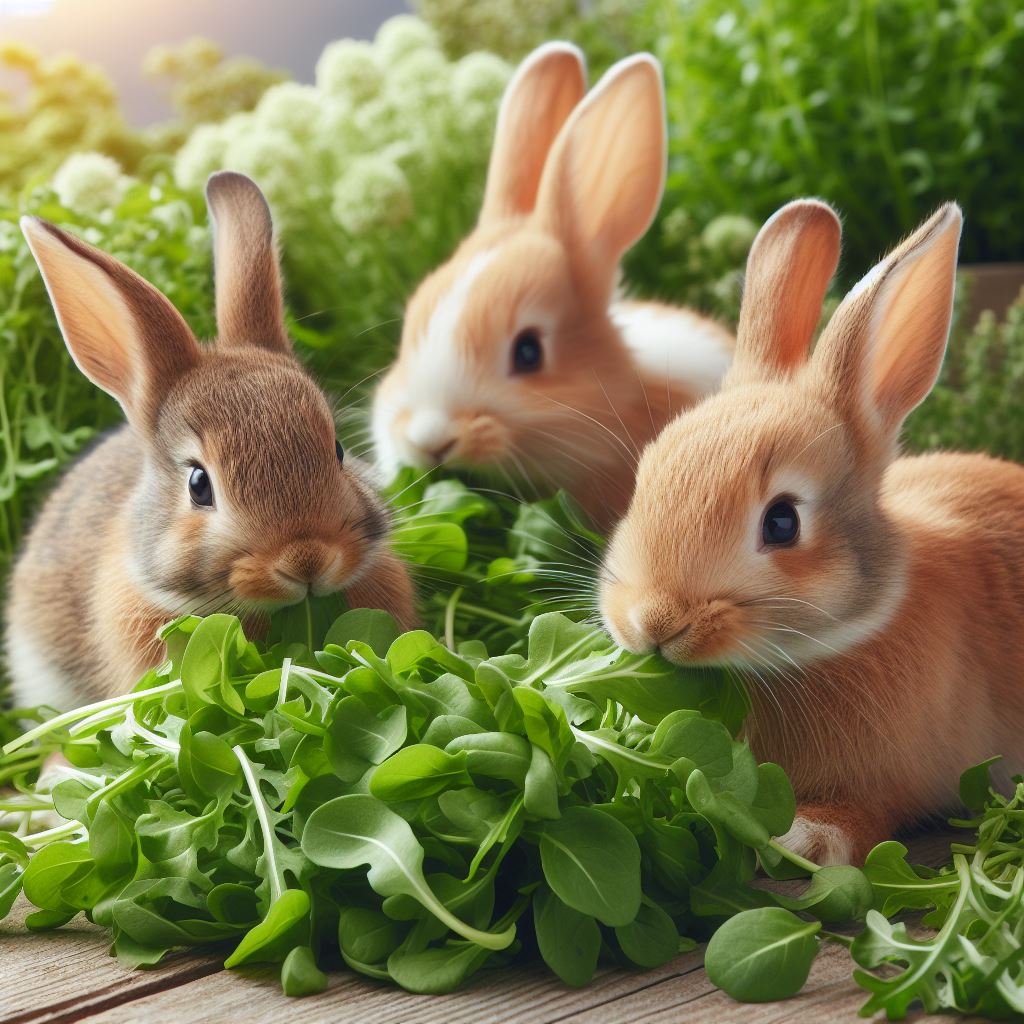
column 302, row 561
column 440, row 454
column 658, row 623
column 431, row 433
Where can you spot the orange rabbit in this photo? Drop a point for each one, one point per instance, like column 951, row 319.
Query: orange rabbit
column 875, row 603
column 518, row 356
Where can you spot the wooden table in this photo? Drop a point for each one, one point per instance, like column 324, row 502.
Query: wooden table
column 67, row 975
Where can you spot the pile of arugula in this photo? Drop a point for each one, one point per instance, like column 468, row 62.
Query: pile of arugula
column 241, row 795
column 504, row 783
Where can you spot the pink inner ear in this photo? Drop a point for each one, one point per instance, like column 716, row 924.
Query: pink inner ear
column 912, row 326
column 788, row 271
column 603, row 181
column 540, row 99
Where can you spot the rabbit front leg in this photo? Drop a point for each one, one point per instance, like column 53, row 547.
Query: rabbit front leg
column 836, row 833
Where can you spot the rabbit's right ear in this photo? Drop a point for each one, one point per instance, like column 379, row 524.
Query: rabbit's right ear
column 250, row 304
column 123, row 334
column 789, row 268
column 603, row 181
column 538, row 100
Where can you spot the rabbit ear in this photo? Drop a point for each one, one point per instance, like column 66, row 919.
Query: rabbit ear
column 541, row 95
column 250, row 306
column 123, row 334
column 789, row 267
column 603, row 181
column 885, row 343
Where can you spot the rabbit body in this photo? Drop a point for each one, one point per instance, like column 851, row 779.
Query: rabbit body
column 226, row 490
column 874, row 604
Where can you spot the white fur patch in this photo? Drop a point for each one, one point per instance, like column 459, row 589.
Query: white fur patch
column 826, row 843
column 674, row 343
column 435, row 380
column 35, row 679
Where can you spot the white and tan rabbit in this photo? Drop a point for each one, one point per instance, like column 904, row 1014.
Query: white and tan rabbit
column 226, row 490
column 876, row 603
column 516, row 355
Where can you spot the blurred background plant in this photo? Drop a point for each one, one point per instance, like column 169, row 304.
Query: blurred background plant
column 375, row 172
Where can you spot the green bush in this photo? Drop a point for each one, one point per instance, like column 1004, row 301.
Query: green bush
column 884, row 109
column 374, row 174
column 976, row 406
column 48, row 410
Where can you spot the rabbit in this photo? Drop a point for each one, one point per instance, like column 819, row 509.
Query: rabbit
column 517, row 356
column 874, row 602
column 225, row 490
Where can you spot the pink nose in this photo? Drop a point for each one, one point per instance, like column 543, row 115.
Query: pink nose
column 438, row 454
column 658, row 622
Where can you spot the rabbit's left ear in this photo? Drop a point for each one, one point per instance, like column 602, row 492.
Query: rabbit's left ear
column 885, row 343
column 603, row 181
column 123, row 334
column 250, row 305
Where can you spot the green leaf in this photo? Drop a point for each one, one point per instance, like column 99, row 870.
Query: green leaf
column 592, row 863
column 836, row 893
column 10, row 887
column 418, row 771
column 52, row 870
column 274, row 935
column 367, row 936
column 351, row 831
column 976, row 785
column 762, row 955
column 568, row 940
column 206, row 764
column 358, row 738
column 651, row 938
column 724, row 809
column 439, row 969
column 209, row 663
column 540, row 790
column 370, row 626
column 300, row 975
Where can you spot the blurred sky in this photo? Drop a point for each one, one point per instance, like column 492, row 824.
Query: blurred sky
column 117, row 33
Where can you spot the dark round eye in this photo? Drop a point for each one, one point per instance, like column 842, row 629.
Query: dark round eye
column 340, row 452
column 527, row 351
column 781, row 524
column 199, row 487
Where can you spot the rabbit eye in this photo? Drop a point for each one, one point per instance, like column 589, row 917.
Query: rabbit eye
column 527, row 351
column 781, row 524
column 340, row 452
column 200, row 489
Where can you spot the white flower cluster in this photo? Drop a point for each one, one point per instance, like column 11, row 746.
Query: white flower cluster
column 90, row 183
column 385, row 126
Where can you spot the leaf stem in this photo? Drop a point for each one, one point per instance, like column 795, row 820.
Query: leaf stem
column 449, row 618
column 274, row 874
column 89, row 710
column 794, row 858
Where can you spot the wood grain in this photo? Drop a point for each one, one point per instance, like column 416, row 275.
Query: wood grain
column 67, row 976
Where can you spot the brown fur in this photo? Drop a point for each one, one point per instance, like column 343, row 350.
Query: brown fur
column 554, row 227
column 885, row 647
column 120, row 547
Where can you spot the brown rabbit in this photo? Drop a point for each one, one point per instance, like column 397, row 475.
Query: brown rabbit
column 226, row 490
column 875, row 603
column 518, row 356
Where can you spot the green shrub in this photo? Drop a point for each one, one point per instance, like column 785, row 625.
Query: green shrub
column 884, row 109
column 374, row 174
column 48, row 410
column 976, row 406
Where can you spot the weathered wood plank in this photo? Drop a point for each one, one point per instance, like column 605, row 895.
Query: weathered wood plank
column 67, row 976
column 56, row 976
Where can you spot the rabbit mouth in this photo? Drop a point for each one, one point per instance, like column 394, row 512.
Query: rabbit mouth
column 299, row 570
